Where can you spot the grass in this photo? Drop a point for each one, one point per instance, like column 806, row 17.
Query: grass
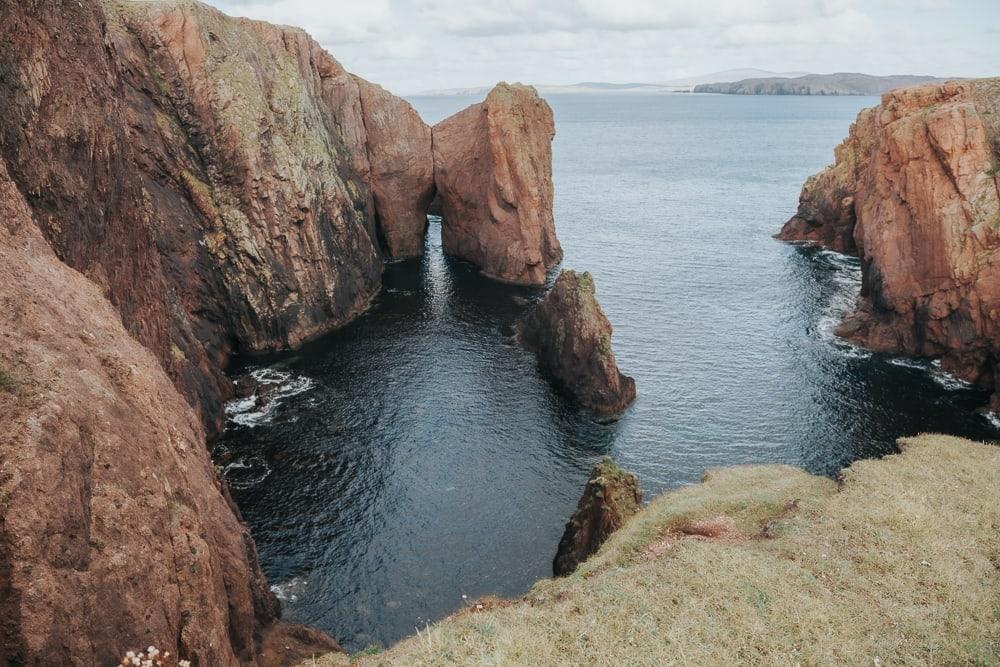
column 899, row 564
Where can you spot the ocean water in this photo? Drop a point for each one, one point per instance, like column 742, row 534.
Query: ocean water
column 416, row 459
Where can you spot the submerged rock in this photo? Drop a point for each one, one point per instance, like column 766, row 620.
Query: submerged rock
column 610, row 498
column 493, row 172
column 571, row 337
column 915, row 192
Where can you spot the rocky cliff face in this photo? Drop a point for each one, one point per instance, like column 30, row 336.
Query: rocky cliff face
column 918, row 185
column 571, row 337
column 114, row 532
column 610, row 498
column 493, row 171
column 175, row 185
column 221, row 179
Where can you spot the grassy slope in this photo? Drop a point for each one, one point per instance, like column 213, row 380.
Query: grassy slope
column 901, row 564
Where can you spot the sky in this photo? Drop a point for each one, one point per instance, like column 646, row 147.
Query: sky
column 410, row 46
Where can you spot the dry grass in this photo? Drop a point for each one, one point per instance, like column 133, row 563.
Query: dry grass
column 769, row 565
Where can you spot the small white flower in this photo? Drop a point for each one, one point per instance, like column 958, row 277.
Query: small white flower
column 183, row 663
column 130, row 655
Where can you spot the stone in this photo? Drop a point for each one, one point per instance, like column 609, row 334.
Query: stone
column 493, row 173
column 571, row 337
column 609, row 499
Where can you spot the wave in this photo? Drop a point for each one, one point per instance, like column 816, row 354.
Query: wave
column 255, row 410
column 244, row 473
column 291, row 590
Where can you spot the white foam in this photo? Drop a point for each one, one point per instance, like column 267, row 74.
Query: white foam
column 910, row 362
column 993, row 418
column 244, row 473
column 289, row 591
column 246, row 412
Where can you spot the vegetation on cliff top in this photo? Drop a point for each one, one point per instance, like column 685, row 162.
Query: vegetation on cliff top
column 898, row 564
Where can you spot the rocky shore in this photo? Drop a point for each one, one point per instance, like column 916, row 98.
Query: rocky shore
column 894, row 564
column 915, row 193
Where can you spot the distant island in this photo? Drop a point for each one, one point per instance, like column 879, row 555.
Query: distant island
column 816, row 84
column 682, row 85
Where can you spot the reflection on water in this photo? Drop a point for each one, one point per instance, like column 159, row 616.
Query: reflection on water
column 417, row 456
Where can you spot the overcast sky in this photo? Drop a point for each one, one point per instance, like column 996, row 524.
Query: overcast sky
column 413, row 45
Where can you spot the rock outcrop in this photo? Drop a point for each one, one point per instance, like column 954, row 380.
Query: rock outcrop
column 177, row 185
column 571, row 337
column 493, row 172
column 918, row 181
column 826, row 205
column 115, row 532
column 402, row 167
column 610, row 498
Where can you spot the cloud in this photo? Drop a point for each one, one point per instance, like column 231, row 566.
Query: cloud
column 410, row 45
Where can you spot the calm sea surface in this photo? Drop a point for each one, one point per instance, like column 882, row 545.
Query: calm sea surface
column 417, row 457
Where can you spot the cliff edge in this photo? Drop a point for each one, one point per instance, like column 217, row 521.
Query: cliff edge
column 763, row 565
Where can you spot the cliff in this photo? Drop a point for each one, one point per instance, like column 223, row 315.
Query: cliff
column 175, row 185
column 915, row 191
column 842, row 83
column 571, row 338
column 894, row 564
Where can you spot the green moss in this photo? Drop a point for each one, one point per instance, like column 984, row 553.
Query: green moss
column 8, row 383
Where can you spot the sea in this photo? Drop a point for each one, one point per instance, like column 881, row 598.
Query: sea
column 417, row 459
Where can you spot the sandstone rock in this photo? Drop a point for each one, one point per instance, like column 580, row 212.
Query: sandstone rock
column 571, row 337
column 826, row 206
column 923, row 169
column 493, row 171
column 402, row 169
column 211, row 174
column 115, row 532
column 610, row 498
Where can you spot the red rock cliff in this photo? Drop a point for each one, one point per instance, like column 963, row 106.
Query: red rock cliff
column 917, row 185
column 493, row 171
column 215, row 176
column 114, row 530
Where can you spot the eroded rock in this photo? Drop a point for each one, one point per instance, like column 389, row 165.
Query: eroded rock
column 402, row 169
column 115, row 532
column 493, row 172
column 924, row 172
column 610, row 498
column 571, row 337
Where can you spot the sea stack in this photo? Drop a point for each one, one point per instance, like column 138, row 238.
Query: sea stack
column 915, row 192
column 610, row 498
column 571, row 337
column 493, row 172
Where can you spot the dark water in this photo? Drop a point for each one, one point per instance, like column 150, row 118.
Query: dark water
column 417, row 456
